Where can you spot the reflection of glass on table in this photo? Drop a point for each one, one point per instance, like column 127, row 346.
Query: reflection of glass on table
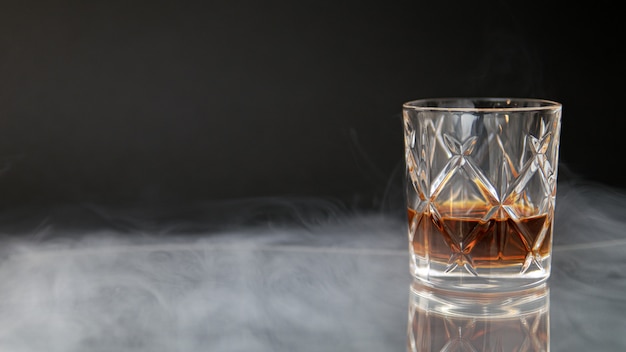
column 454, row 321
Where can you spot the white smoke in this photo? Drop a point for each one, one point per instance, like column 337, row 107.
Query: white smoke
column 282, row 283
column 265, row 275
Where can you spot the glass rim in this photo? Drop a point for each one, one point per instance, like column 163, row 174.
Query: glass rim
column 468, row 104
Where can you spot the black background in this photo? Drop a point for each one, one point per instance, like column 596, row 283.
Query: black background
column 173, row 102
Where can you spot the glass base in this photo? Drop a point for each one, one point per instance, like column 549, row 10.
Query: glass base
column 492, row 279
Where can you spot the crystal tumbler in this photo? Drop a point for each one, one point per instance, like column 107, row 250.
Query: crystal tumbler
column 481, row 177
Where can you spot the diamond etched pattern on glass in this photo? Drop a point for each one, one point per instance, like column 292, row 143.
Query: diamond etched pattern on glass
column 483, row 196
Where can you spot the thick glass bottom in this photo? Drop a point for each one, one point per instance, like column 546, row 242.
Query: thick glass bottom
column 486, row 279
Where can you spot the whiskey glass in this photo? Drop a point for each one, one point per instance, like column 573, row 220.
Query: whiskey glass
column 481, row 177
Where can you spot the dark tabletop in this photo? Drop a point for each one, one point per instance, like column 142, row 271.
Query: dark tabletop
column 334, row 281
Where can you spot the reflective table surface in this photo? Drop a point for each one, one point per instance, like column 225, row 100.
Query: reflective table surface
column 331, row 281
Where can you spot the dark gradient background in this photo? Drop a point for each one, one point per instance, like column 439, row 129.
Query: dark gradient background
column 115, row 102
column 227, row 175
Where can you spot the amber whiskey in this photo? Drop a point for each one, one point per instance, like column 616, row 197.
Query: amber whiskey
column 462, row 237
